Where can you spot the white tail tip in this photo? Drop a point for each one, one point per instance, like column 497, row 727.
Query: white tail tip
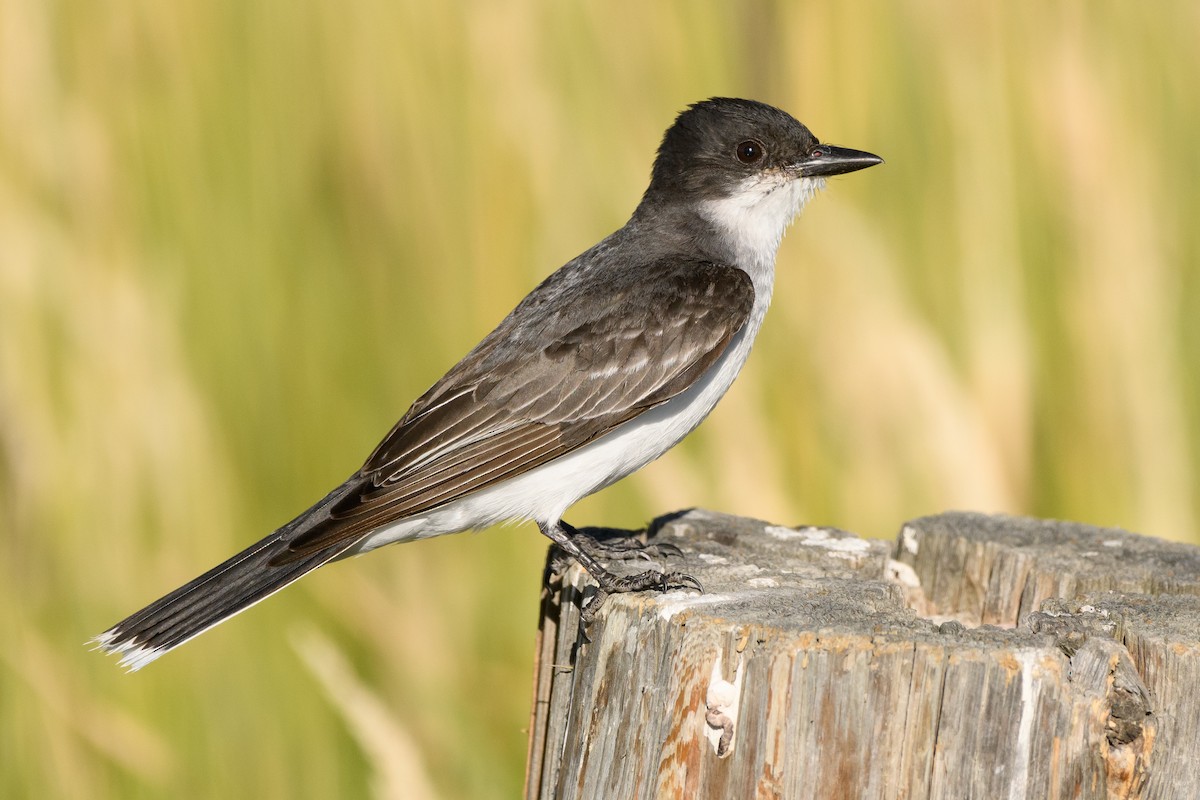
column 134, row 656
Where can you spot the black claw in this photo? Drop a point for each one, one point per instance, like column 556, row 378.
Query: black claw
column 589, row 610
column 664, row 549
column 680, row 580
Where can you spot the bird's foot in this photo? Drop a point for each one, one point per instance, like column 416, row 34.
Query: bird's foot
column 589, row 551
column 611, row 584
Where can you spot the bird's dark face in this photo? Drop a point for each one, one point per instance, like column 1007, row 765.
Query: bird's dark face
column 747, row 168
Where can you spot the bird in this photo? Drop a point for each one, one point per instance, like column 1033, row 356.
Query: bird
column 606, row 365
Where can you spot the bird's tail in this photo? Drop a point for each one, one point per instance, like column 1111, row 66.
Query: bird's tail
column 209, row 600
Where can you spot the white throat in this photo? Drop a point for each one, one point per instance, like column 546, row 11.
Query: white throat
column 754, row 216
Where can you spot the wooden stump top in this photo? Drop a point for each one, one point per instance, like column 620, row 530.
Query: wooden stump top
column 976, row 657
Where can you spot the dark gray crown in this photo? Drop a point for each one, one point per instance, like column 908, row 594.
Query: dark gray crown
column 698, row 156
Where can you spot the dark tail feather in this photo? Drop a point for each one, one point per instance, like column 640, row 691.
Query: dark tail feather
column 209, row 600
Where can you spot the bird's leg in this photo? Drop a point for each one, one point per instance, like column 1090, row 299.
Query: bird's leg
column 568, row 545
column 568, row 540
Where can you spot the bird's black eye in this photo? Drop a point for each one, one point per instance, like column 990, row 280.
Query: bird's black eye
column 750, row 151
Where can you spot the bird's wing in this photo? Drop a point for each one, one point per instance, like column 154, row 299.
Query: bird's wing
column 577, row 358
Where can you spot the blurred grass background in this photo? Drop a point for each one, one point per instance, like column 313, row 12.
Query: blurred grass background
column 236, row 239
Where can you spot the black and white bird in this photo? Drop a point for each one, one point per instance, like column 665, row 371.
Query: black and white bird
column 601, row 369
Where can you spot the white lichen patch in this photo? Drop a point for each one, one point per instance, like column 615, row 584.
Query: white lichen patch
column 820, row 537
column 780, row 532
column 672, row 603
column 909, row 541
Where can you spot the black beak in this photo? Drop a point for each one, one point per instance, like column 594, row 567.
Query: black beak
column 826, row 159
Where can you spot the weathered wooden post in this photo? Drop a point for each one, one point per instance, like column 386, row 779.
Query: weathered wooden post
column 977, row 657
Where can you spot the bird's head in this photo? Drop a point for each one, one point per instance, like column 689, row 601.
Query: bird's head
column 746, row 166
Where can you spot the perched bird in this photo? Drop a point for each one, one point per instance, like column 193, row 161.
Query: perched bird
column 601, row 369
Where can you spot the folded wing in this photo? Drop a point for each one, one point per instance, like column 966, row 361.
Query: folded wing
column 541, row 386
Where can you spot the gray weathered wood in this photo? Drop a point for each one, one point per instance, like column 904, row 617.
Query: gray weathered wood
column 821, row 665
